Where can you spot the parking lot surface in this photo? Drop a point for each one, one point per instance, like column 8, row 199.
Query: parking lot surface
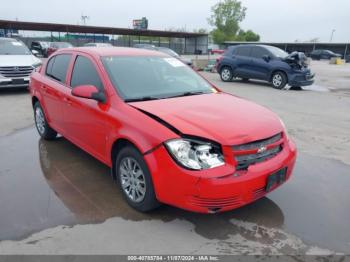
column 56, row 199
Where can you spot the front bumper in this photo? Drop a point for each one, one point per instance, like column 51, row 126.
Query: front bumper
column 303, row 79
column 218, row 189
column 13, row 82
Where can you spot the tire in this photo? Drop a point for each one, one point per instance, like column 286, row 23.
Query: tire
column 226, row 74
column 245, row 79
column 138, row 191
column 279, row 80
column 44, row 129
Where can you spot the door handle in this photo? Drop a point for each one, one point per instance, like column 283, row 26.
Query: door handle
column 68, row 101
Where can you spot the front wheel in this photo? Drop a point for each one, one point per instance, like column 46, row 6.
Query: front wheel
column 44, row 129
column 226, row 74
column 135, row 180
column 279, row 80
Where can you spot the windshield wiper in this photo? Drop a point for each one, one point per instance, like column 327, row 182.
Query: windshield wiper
column 144, row 98
column 192, row 93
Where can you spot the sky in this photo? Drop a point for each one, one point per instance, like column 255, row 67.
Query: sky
column 273, row 20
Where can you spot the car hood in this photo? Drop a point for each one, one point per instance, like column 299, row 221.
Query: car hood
column 18, row 60
column 221, row 117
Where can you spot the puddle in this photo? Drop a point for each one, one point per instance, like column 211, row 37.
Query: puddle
column 44, row 184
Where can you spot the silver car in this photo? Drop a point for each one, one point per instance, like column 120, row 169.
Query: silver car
column 16, row 63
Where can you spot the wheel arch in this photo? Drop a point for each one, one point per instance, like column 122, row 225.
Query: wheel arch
column 117, row 145
column 34, row 100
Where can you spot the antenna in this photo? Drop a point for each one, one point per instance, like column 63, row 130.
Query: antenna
column 84, row 18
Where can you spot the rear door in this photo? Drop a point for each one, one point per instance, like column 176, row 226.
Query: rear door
column 260, row 68
column 52, row 88
column 243, row 62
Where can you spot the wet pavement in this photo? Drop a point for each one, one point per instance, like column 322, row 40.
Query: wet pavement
column 44, row 184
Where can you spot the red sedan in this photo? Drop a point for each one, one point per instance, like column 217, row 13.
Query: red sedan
column 168, row 135
column 54, row 46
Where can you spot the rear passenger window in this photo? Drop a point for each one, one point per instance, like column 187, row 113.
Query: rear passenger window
column 259, row 52
column 84, row 73
column 57, row 67
column 243, row 51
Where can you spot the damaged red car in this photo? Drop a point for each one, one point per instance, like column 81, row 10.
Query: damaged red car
column 168, row 135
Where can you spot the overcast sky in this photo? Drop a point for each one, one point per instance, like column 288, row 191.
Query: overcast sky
column 274, row 20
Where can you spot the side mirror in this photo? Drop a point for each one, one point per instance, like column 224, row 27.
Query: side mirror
column 267, row 58
column 89, row 92
column 35, row 52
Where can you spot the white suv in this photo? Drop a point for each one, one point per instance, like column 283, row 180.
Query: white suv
column 16, row 63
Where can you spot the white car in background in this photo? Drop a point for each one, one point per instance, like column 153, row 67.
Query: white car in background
column 16, row 63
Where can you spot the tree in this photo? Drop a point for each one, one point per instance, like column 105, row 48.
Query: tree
column 226, row 16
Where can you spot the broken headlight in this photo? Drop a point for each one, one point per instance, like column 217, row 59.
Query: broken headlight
column 194, row 154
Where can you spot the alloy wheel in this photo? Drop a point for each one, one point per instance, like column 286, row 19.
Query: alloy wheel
column 132, row 179
column 225, row 74
column 40, row 120
column 277, row 80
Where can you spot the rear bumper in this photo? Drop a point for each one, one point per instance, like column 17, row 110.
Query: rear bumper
column 218, row 189
column 11, row 82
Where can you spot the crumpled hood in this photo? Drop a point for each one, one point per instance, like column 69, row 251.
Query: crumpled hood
column 298, row 58
column 18, row 60
column 221, row 117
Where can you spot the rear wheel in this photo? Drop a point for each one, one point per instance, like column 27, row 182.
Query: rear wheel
column 44, row 129
column 279, row 80
column 135, row 180
column 226, row 74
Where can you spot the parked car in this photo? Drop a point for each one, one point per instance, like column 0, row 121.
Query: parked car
column 54, row 46
column 347, row 59
column 98, row 44
column 41, row 47
column 319, row 54
column 145, row 46
column 266, row 63
column 215, row 49
column 168, row 134
column 16, row 63
column 172, row 53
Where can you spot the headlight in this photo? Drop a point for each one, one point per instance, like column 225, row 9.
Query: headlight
column 195, row 154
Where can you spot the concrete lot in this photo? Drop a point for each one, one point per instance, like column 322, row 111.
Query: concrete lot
column 56, row 199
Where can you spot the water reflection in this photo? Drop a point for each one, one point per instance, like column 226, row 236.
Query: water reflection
column 86, row 188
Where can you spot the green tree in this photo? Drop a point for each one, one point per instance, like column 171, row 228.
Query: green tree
column 226, row 17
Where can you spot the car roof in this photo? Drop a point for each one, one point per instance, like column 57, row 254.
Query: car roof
column 112, row 51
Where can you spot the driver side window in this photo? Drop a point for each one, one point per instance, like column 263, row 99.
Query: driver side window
column 84, row 73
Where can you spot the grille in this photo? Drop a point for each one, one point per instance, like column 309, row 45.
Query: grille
column 248, row 154
column 16, row 71
column 216, row 202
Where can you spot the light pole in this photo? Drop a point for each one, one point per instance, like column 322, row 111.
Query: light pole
column 332, row 35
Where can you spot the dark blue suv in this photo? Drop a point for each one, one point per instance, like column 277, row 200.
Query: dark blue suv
column 266, row 63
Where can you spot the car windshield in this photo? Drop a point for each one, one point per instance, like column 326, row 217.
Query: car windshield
column 277, row 51
column 152, row 77
column 13, row 47
column 168, row 51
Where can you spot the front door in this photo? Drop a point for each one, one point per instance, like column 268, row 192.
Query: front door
column 85, row 118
